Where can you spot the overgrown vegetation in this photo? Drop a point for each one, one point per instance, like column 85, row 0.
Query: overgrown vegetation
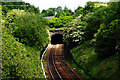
column 24, row 35
column 91, row 35
column 18, row 60
column 108, row 38
column 61, row 17
column 106, row 69
column 57, row 12
column 93, row 39
column 60, row 22
column 28, row 28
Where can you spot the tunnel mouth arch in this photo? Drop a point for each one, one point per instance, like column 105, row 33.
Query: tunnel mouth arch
column 57, row 39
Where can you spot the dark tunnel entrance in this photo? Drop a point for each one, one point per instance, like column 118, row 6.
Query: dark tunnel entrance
column 57, row 39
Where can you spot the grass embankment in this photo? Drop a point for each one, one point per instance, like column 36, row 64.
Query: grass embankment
column 105, row 69
column 20, row 61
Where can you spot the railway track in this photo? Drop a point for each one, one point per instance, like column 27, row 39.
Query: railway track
column 52, row 67
column 69, row 72
column 57, row 66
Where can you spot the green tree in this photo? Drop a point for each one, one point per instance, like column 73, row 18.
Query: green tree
column 102, row 15
column 78, row 8
column 30, row 29
column 59, row 9
column 90, row 6
column 67, row 11
column 64, row 12
column 44, row 12
column 50, row 12
column 79, row 11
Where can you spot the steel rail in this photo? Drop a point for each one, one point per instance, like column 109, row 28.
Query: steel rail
column 54, row 67
column 69, row 72
column 74, row 76
column 50, row 70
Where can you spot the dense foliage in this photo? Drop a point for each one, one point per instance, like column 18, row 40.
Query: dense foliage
column 75, row 31
column 64, row 12
column 24, row 36
column 95, row 33
column 108, row 34
column 108, row 39
column 18, row 60
column 90, row 25
column 59, row 22
column 57, row 12
column 92, row 38
column 49, row 12
column 0, row 40
column 58, row 17
column 28, row 28
column 86, row 57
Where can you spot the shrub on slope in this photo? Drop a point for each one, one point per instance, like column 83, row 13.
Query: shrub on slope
column 23, row 35
column 86, row 57
column 30, row 29
column 18, row 60
column 108, row 39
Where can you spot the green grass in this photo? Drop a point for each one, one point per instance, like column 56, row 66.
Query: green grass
column 19, row 60
column 85, row 56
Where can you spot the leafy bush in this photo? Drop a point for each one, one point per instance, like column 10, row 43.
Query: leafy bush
column 93, row 22
column 73, row 36
column 23, row 60
column 12, row 16
column 79, row 11
column 74, row 32
column 18, row 60
column 62, row 13
column 108, row 39
column 114, row 12
column 55, row 22
column 102, row 15
column 28, row 28
column 60, row 22
column 102, row 26
column 66, row 20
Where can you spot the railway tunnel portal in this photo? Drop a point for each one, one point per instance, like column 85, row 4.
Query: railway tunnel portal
column 56, row 36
